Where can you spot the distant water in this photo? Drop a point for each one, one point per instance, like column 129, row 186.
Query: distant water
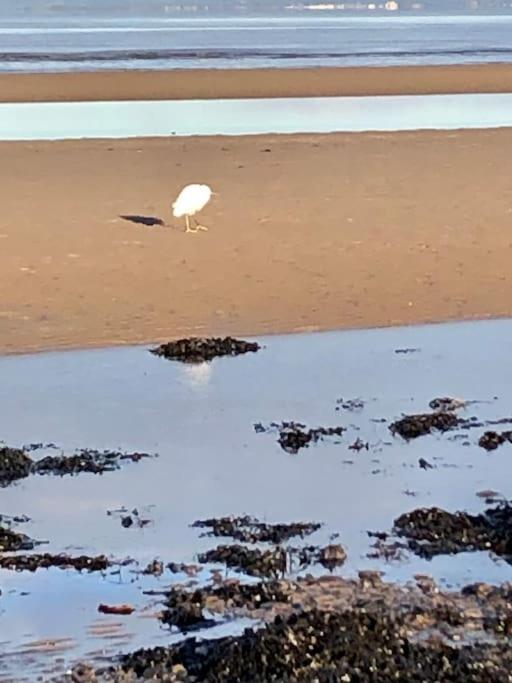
column 88, row 43
column 73, row 120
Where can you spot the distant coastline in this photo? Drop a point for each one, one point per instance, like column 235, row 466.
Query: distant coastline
column 46, row 43
column 169, row 8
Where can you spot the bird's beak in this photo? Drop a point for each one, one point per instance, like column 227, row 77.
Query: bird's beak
column 215, row 194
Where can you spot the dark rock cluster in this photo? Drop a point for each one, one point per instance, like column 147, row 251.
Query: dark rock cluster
column 447, row 404
column 11, row 540
column 14, row 464
column 269, row 562
column 17, row 464
column 251, row 530
column 252, row 562
column 62, row 561
column 432, row 531
column 87, row 460
column 184, row 609
column 330, row 557
column 413, row 426
column 354, row 645
column 491, row 440
column 201, row 349
column 294, row 435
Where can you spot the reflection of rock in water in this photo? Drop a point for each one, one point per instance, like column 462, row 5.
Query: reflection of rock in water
column 197, row 375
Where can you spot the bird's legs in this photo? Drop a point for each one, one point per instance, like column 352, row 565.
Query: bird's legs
column 199, row 227
column 187, row 223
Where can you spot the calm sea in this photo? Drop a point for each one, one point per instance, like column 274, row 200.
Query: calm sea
column 91, row 43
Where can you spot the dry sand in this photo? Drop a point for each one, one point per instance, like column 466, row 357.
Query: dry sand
column 308, row 232
column 247, row 83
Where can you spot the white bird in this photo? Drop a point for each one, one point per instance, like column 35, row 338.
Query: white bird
column 190, row 201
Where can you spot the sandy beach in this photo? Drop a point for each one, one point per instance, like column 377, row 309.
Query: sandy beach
column 308, row 232
column 250, row 83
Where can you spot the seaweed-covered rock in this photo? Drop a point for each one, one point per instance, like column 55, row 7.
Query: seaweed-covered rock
column 201, row 349
column 250, row 596
column 357, row 645
column 412, row 426
column 86, row 460
column 294, row 435
column 432, row 531
column 11, row 540
column 447, row 404
column 14, row 464
column 491, row 440
column 184, row 609
column 335, row 629
column 62, row 561
column 252, row 562
column 330, row 557
column 251, row 530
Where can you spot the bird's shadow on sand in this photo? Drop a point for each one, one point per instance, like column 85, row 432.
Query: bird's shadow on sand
column 148, row 221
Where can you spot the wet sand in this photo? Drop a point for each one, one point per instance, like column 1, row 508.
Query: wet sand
column 307, row 232
column 244, row 83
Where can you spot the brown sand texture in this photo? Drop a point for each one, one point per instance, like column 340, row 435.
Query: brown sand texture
column 252, row 83
column 308, row 232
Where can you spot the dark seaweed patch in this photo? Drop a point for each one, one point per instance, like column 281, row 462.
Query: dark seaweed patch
column 62, row 561
column 184, row 610
column 252, row 562
column 330, row 557
column 201, row 349
column 251, row 530
column 413, row 426
column 14, row 464
column 294, row 435
column 11, row 540
column 491, row 440
column 364, row 645
column 433, row 531
column 87, row 460
column 17, row 464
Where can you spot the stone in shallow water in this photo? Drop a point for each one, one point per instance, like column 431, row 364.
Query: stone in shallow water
column 252, row 562
column 412, row 426
column 11, row 540
column 322, row 646
column 251, row 530
column 433, row 531
column 14, row 464
column 201, row 349
column 294, row 435
column 491, row 440
column 62, row 561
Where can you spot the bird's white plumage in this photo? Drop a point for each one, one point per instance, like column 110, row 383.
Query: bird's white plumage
column 191, row 200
